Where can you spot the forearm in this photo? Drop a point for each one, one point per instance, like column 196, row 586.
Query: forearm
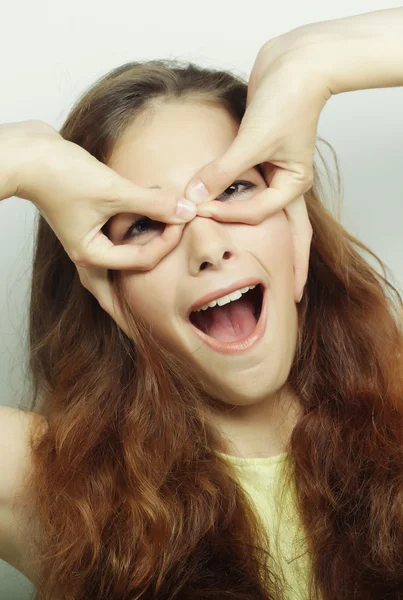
column 22, row 144
column 355, row 53
column 9, row 163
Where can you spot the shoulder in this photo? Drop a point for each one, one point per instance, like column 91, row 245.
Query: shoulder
column 15, row 430
column 15, row 462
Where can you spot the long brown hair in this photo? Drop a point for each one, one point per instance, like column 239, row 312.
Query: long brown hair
column 132, row 499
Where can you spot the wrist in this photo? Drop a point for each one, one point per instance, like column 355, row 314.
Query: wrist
column 353, row 53
column 24, row 147
column 359, row 62
column 9, row 164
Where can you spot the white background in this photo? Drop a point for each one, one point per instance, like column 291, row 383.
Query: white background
column 51, row 51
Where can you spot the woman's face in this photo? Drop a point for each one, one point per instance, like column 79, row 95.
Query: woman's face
column 166, row 149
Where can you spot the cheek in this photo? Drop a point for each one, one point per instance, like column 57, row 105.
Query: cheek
column 270, row 241
column 148, row 298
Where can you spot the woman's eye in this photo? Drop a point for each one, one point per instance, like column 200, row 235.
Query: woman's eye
column 246, row 184
column 142, row 227
column 145, row 227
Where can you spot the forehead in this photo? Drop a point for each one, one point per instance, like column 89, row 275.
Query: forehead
column 168, row 144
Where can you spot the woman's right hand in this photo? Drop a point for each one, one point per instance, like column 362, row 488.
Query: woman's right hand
column 77, row 195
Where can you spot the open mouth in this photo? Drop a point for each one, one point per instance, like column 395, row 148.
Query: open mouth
column 233, row 322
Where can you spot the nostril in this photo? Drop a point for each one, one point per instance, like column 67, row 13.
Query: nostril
column 227, row 255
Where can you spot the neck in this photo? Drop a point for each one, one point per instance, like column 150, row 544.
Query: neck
column 262, row 429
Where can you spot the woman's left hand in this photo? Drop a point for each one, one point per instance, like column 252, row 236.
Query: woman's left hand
column 286, row 94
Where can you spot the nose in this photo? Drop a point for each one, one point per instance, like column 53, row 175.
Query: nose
column 208, row 245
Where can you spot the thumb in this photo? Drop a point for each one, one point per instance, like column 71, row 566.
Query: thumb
column 210, row 181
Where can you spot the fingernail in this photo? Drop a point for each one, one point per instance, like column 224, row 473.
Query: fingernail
column 197, row 191
column 300, row 296
column 185, row 209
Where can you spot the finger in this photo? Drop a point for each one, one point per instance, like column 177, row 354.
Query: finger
column 103, row 253
column 156, row 204
column 301, row 231
column 285, row 187
column 97, row 283
column 268, row 170
column 214, row 178
column 251, row 212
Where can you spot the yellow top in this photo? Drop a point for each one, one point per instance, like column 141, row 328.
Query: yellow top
column 260, row 478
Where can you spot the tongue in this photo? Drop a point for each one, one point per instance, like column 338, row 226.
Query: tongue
column 229, row 323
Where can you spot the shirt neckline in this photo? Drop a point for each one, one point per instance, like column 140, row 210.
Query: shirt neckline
column 261, row 460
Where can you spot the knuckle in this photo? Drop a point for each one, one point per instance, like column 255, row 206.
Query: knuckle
column 74, row 255
column 147, row 263
column 101, row 303
column 111, row 193
column 81, row 276
column 261, row 213
column 308, row 179
column 149, row 259
column 157, row 204
column 219, row 171
column 84, row 282
column 78, row 259
column 258, row 214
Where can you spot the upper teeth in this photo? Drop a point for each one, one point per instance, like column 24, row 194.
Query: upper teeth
column 225, row 299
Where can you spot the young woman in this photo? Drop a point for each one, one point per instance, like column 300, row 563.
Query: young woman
column 217, row 399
